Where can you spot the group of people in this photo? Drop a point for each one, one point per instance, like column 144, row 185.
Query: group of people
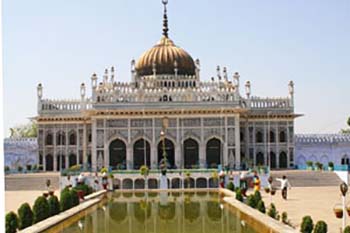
column 285, row 185
column 98, row 181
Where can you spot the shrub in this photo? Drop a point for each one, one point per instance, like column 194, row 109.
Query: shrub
column 83, row 187
column 75, row 168
column 285, row 218
column 347, row 229
column 330, row 164
column 251, row 201
column 54, row 205
column 25, row 216
column 309, row 163
column 230, row 186
column 320, row 227
column 40, row 209
column 306, row 225
column 239, row 195
column 29, row 167
column 20, row 168
column 66, row 200
column 11, row 222
column 104, row 170
column 35, row 167
column 144, row 170
column 7, row 168
column 257, row 196
column 74, row 197
column 272, row 212
column 261, row 206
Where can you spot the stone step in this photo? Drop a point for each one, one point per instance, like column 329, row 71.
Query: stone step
column 307, row 178
column 28, row 182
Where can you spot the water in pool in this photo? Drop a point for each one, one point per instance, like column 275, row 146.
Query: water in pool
column 156, row 212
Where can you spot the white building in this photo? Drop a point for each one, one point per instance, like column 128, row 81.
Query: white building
column 322, row 148
column 20, row 152
column 203, row 123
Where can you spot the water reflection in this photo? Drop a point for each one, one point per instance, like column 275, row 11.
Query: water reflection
column 163, row 213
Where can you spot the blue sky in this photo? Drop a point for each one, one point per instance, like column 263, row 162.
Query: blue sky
column 61, row 43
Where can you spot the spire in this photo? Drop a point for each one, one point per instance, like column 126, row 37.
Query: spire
column 165, row 19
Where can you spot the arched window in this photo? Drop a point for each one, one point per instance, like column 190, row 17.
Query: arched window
column 283, row 136
column 345, row 160
column 191, row 153
column 272, row 136
column 241, row 135
column 259, row 160
column 60, row 138
column 72, row 138
column 49, row 139
column 259, row 137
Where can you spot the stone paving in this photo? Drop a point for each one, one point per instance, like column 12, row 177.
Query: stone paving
column 318, row 202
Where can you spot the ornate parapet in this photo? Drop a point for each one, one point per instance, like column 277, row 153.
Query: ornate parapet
column 47, row 106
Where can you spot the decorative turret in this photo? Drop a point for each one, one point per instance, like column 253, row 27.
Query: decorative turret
column 248, row 89
column 94, row 81
column 112, row 74
column 291, row 92
column 105, row 76
column 40, row 91
column 236, row 77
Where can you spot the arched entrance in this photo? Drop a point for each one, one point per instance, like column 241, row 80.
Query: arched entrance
column 283, row 160
column 60, row 159
column 49, row 162
column 142, row 151
column 169, row 150
column 213, row 153
column 72, row 159
column 259, row 159
column 191, row 155
column 273, row 159
column 117, row 154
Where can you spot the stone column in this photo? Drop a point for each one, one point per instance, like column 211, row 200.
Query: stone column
column 44, row 162
column 224, row 147
column 178, row 145
column 202, row 159
column 85, row 159
column 93, row 145
column 55, row 162
column 237, row 142
column 154, row 156
column 129, row 157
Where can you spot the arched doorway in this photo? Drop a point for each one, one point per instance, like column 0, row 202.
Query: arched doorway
column 283, row 160
column 169, row 150
column 191, row 155
column 60, row 159
column 273, row 159
column 259, row 161
column 142, row 151
column 49, row 162
column 72, row 159
column 117, row 154
column 213, row 153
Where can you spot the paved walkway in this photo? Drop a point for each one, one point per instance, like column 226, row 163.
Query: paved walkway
column 21, row 188
column 318, row 202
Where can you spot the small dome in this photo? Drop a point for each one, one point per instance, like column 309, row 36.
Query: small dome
column 163, row 55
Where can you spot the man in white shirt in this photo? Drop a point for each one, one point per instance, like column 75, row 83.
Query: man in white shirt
column 284, row 185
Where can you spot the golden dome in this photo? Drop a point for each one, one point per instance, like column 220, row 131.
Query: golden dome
column 165, row 55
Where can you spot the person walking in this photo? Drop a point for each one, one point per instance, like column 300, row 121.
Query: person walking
column 284, row 186
column 257, row 182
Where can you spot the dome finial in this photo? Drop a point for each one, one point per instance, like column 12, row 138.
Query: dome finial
column 165, row 19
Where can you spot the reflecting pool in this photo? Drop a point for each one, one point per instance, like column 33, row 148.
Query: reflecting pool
column 156, row 212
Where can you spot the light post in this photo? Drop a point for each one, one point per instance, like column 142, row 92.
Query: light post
column 344, row 190
column 165, row 123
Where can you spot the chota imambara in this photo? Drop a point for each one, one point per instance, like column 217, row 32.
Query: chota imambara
column 166, row 111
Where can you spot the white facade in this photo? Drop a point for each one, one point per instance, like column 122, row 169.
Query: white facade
column 322, row 148
column 205, row 123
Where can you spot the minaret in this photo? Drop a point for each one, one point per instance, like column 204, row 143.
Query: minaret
column 40, row 96
column 82, row 95
column 291, row 93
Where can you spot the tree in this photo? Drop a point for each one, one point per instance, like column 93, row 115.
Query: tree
column 25, row 215
column 307, row 225
column 66, row 200
column 11, row 222
column 321, row 227
column 41, row 209
column 54, row 205
column 28, row 130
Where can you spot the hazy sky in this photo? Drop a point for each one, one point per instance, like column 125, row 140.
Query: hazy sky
column 61, row 43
